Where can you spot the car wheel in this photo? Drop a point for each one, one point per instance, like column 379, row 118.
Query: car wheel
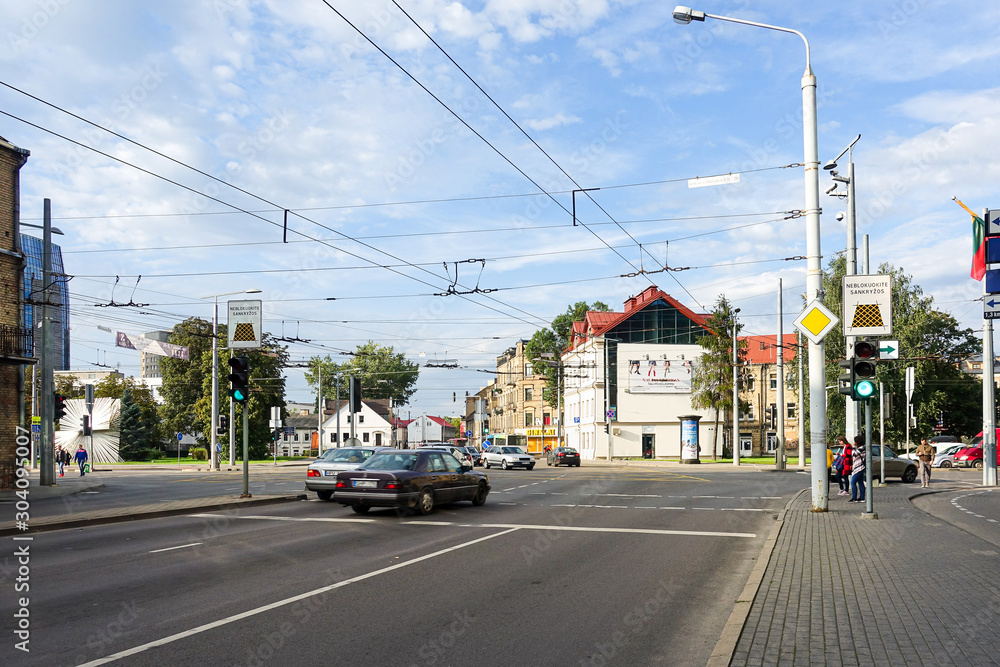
column 324, row 495
column 548, row 462
column 486, row 464
column 978, row 464
column 503, row 464
column 481, row 493
column 425, row 503
column 910, row 475
column 530, row 467
column 360, row 509
column 945, row 464
column 577, row 465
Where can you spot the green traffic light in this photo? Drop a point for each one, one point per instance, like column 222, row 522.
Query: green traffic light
column 864, row 389
column 239, row 395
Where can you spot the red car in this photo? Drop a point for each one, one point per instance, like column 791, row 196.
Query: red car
column 972, row 456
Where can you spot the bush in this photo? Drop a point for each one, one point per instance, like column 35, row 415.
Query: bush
column 199, row 453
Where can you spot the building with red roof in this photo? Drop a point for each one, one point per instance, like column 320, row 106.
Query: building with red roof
column 760, row 422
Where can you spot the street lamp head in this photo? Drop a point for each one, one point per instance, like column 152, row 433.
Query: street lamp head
column 252, row 290
column 832, row 164
column 685, row 15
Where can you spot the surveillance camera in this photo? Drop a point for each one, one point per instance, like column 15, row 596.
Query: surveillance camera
column 831, row 188
column 840, row 215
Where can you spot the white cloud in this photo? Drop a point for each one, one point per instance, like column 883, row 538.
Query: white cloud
column 552, row 121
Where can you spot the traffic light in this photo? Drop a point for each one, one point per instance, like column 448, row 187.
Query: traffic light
column 355, row 385
column 863, row 369
column 845, row 381
column 59, row 405
column 87, row 428
column 223, row 425
column 239, row 379
column 486, row 428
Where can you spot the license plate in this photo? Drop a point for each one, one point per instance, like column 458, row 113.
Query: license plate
column 329, row 473
column 366, row 483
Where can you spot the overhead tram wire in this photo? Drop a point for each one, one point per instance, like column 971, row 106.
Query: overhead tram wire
column 275, row 224
column 496, row 150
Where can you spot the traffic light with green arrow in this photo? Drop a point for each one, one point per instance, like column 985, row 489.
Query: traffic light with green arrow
column 863, row 369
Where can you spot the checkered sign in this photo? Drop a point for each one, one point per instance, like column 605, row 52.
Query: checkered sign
column 867, row 305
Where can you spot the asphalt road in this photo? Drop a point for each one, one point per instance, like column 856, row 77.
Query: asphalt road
column 589, row 566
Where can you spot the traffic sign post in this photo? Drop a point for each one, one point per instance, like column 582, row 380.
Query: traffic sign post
column 991, row 307
column 888, row 349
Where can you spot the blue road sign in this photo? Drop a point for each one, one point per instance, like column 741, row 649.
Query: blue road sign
column 468, row 434
column 180, row 436
column 36, row 428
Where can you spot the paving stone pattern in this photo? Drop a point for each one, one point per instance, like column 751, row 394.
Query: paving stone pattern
column 905, row 589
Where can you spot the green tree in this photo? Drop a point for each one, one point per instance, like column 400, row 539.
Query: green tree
column 552, row 341
column 712, row 380
column 69, row 386
column 133, row 429
column 184, row 379
column 384, row 373
column 930, row 341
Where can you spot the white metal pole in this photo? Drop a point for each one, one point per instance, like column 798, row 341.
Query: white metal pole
column 851, row 406
column 736, row 396
column 607, row 398
column 989, row 426
column 881, row 431
column 319, row 407
column 340, row 436
column 800, row 413
column 232, row 427
column 779, row 418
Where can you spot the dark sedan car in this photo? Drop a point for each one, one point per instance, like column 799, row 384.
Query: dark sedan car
column 563, row 456
column 410, row 479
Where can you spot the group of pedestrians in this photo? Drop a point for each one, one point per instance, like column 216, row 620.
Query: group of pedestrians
column 63, row 459
column 849, row 468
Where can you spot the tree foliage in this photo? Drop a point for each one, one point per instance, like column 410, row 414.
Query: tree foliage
column 712, row 381
column 930, row 341
column 553, row 340
column 384, row 373
column 140, row 425
column 187, row 387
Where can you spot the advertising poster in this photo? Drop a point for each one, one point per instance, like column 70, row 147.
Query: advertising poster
column 660, row 376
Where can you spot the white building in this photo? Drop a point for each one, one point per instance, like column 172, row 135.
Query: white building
column 373, row 426
column 426, row 428
column 638, row 413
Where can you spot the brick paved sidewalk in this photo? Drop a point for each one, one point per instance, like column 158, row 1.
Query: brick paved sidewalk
column 906, row 589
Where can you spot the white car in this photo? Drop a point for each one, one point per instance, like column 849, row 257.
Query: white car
column 321, row 475
column 459, row 453
column 508, row 456
column 946, row 457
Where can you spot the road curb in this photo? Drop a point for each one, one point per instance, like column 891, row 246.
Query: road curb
column 57, row 523
column 722, row 654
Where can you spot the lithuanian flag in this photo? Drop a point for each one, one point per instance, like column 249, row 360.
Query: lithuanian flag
column 978, row 244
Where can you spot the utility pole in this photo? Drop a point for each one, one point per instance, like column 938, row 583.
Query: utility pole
column 736, row 396
column 46, row 476
column 800, row 413
column 319, row 407
column 779, row 418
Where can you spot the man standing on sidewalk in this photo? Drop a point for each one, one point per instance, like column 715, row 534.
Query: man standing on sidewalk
column 925, row 454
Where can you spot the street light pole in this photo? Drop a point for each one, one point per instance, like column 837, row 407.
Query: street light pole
column 214, row 437
column 736, row 396
column 814, row 274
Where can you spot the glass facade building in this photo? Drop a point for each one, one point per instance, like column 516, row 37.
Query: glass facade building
column 32, row 248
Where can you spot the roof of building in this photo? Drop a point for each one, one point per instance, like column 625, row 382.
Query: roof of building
column 761, row 349
column 302, row 421
column 596, row 323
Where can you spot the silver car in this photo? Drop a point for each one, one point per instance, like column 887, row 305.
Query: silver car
column 321, row 475
column 508, row 456
column 946, row 457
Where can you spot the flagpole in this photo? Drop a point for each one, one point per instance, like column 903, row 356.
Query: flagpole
column 989, row 412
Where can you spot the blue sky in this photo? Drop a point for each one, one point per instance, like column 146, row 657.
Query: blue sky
column 287, row 102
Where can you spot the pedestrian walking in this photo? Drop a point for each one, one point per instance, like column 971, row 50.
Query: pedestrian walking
column 925, row 454
column 81, row 458
column 842, row 466
column 858, row 470
column 62, row 458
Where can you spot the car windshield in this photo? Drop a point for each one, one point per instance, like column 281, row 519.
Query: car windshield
column 568, row 450
column 348, row 455
column 390, row 461
column 952, row 450
column 512, row 450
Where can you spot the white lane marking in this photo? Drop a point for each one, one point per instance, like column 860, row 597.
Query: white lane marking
column 182, row 546
column 628, row 495
column 264, row 517
column 671, row 508
column 506, row 503
column 743, row 509
column 770, row 497
column 591, row 529
column 281, row 603
column 704, row 496
column 703, row 508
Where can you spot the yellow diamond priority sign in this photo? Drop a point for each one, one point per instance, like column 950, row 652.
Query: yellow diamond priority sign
column 816, row 321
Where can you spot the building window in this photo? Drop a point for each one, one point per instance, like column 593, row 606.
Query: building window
column 527, row 370
column 773, row 382
column 749, row 383
column 747, row 415
column 529, row 418
column 546, row 419
column 528, row 393
column 361, row 419
column 364, row 437
column 790, row 411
